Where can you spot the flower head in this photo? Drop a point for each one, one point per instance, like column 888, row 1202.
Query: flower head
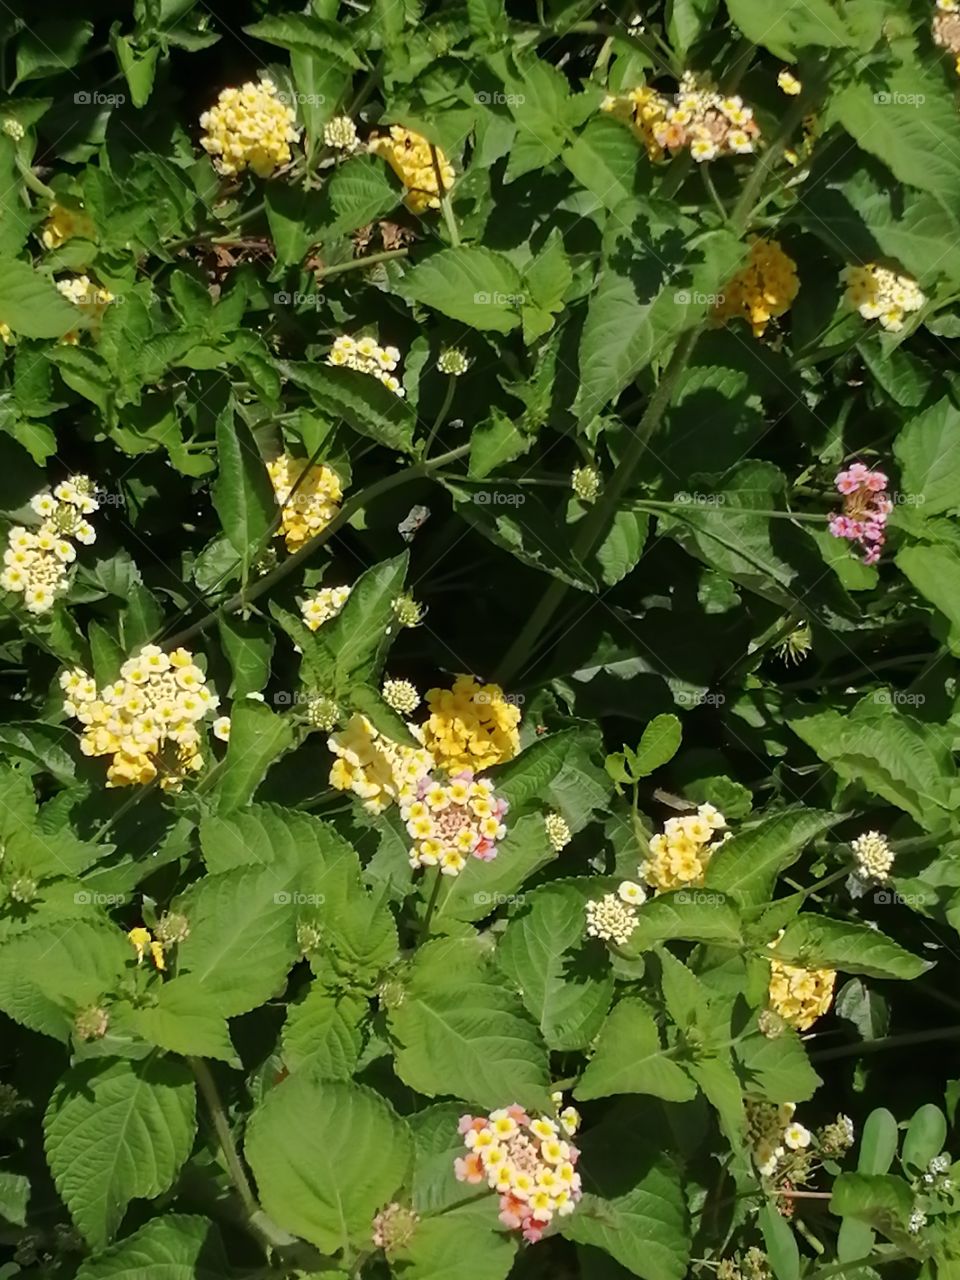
column 250, row 127
column 680, row 856
column 452, row 821
column 340, row 133
column 472, row 725
column 611, row 919
column 323, row 606
column 874, row 857
column 401, row 696
column 558, row 833
column 36, row 562
column 585, row 483
column 881, row 294
column 367, row 356
column 866, row 507
column 788, row 83
column 453, row 362
column 376, row 769
column 417, row 164
column 761, row 290
column 309, row 497
column 799, row 996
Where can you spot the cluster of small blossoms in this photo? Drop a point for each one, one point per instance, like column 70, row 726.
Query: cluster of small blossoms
column 771, row 1132
column 471, row 726
column 761, row 290
column 558, row 833
column 698, row 118
column 946, row 27
column 367, row 356
column 753, row 1264
column 836, row 1139
column 13, row 128
column 340, row 133
column 394, row 1227
column 613, row 917
column 35, row 561
column 585, row 483
column 789, row 84
column 797, row 644
column 407, row 611
column 799, row 996
column 873, row 862
column 309, row 498
column 417, row 164
column 680, row 856
column 528, row 1161
column 144, row 943
column 147, row 721
column 374, row 767
column 881, row 294
column 644, row 110
column 866, row 507
column 63, row 224
column 249, row 127
column 453, row 820
column 323, row 606
column 401, row 696
column 93, row 298
column 453, row 362
column 6, row 334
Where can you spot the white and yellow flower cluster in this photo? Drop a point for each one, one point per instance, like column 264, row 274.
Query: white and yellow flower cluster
column 881, row 294
column 340, row 133
column 401, row 696
column 680, row 856
column 323, row 606
column 799, row 996
column 309, row 498
column 452, row 821
column 36, row 561
column 93, row 298
column 698, row 118
column 249, row 128
column 416, row 163
column 613, row 917
column 530, row 1161
column 147, row 721
column 771, row 1132
column 374, row 767
column 874, row 857
column 367, row 356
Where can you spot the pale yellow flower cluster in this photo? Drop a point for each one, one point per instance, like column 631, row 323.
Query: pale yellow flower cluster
column 800, row 996
column 401, row 696
column 762, row 289
column 881, row 294
column 874, row 857
column 63, row 224
column 82, row 292
column 680, row 856
column 36, row 561
column 323, row 605
column 416, row 163
column 147, row 721
column 249, row 127
column 309, row 497
column 374, row 767
column 367, row 356
column 613, row 917
column 471, row 726
column 558, row 832
column 340, row 133
column 707, row 123
column 789, row 84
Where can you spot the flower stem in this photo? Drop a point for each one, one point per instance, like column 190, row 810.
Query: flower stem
column 442, row 415
column 431, row 907
column 356, row 264
column 221, row 1127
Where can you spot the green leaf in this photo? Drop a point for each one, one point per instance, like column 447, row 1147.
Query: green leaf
column 748, row 864
column 815, row 942
column 877, row 1199
column 660, row 743
column 791, row 26
column 354, row 645
column 781, row 1243
column 326, row 1156
column 242, row 494
column 365, row 404
column 495, row 442
column 925, row 1137
column 439, row 1246
column 687, row 20
column 14, row 1197
column 935, row 572
column 257, row 738
column 607, row 161
column 779, row 1069
column 476, row 286
column 564, row 982
column 248, row 643
column 322, row 1034
column 185, row 1019
column 629, row 1058
column 458, row 1031
column 139, row 66
column 693, row 915
column 298, row 31
column 928, row 450
column 173, row 1247
column 878, row 1142
column 51, row 46
column 116, row 1131
column 31, row 305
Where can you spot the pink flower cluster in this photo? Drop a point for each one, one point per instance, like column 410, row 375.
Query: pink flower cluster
column 865, row 509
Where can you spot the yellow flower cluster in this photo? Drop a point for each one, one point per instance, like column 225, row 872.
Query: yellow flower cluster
column 528, row 1160
column 416, row 163
column 680, row 856
column 698, row 118
column 250, row 127
column 800, row 996
column 323, row 605
column 147, row 720
column 63, row 224
column 764, row 288
column 374, row 767
column 471, row 726
column 309, row 497
column 789, row 84
column 367, row 356
column 6, row 335
column 35, row 562
column 450, row 821
column 142, row 940
column 881, row 294
column 82, row 292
